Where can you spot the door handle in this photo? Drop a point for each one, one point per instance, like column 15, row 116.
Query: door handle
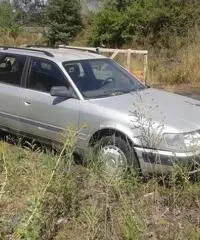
column 27, row 103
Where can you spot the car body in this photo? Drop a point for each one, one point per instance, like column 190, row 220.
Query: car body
column 42, row 92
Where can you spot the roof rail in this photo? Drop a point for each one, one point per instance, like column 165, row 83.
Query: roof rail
column 29, row 49
column 88, row 49
column 41, row 46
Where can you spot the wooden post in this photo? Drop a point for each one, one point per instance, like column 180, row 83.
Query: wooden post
column 145, row 67
column 114, row 54
column 129, row 59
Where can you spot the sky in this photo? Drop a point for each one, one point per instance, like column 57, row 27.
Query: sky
column 90, row 4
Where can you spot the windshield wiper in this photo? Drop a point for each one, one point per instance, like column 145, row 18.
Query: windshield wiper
column 119, row 91
column 108, row 93
column 113, row 92
column 99, row 94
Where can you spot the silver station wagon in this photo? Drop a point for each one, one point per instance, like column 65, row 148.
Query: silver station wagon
column 42, row 91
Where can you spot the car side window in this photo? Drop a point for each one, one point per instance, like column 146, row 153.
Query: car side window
column 11, row 68
column 44, row 75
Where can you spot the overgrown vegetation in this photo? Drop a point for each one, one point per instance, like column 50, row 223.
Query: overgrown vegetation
column 143, row 23
column 46, row 196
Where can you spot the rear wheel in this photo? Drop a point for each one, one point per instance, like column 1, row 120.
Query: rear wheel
column 116, row 154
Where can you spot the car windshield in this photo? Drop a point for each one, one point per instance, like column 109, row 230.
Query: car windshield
column 98, row 78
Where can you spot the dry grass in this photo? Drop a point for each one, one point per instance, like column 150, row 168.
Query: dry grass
column 88, row 203
column 22, row 38
column 179, row 65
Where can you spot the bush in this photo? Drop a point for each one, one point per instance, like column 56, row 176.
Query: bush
column 143, row 22
column 107, row 27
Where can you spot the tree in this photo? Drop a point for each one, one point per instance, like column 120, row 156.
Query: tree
column 120, row 5
column 28, row 5
column 63, row 20
column 9, row 20
column 30, row 10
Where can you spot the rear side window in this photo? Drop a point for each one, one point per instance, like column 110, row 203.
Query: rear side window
column 44, row 75
column 11, row 68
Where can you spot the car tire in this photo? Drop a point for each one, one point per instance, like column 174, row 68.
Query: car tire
column 116, row 152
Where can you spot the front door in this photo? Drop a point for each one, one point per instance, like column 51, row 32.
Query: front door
column 11, row 70
column 46, row 116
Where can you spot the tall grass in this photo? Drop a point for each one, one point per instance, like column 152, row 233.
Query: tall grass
column 88, row 202
column 178, row 64
column 20, row 38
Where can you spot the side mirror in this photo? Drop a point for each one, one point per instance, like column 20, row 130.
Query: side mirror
column 61, row 91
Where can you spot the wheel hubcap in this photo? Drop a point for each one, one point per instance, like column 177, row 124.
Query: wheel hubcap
column 113, row 158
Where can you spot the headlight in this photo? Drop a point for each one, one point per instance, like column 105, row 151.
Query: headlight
column 182, row 142
column 192, row 140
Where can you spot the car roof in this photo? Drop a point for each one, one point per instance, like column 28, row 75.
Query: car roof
column 54, row 54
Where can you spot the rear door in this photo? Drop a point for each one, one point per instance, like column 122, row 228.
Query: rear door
column 11, row 71
column 46, row 116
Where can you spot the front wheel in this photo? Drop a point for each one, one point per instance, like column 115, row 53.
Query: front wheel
column 116, row 154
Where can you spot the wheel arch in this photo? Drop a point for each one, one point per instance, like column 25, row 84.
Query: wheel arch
column 105, row 132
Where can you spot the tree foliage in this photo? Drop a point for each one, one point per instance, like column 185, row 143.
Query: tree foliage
column 9, row 19
column 63, row 19
column 30, row 11
column 139, row 21
column 28, row 5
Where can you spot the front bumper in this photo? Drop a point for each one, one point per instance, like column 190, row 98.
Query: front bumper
column 158, row 161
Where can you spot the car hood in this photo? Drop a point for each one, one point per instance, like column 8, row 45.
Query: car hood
column 177, row 113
